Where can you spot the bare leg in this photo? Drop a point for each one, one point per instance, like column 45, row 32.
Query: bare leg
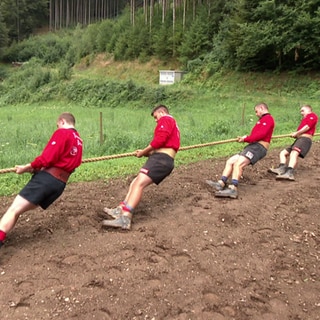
column 293, row 160
column 288, row 174
column 130, row 188
column 228, row 169
column 283, row 156
column 18, row 206
column 136, row 189
column 123, row 220
column 238, row 167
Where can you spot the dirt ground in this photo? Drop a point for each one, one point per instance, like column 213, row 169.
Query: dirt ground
column 189, row 255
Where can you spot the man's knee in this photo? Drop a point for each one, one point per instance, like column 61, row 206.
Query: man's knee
column 284, row 153
column 294, row 154
column 232, row 160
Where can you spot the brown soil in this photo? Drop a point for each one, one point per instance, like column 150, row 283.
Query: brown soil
column 189, row 255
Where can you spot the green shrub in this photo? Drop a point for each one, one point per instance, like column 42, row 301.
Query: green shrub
column 3, row 73
column 24, row 83
column 64, row 71
column 105, row 32
column 50, row 48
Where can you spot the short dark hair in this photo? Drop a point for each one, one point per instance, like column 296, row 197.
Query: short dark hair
column 307, row 106
column 263, row 105
column 160, row 106
column 68, row 117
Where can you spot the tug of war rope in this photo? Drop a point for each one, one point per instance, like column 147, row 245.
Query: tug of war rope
column 130, row 154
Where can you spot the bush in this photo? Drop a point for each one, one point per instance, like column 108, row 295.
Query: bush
column 50, row 48
column 3, row 73
column 25, row 82
column 105, row 32
column 64, row 71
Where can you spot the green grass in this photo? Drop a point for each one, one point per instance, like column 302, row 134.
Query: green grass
column 219, row 110
column 104, row 66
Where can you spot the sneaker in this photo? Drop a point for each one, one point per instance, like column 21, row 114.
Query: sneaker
column 215, row 185
column 277, row 171
column 227, row 193
column 288, row 175
column 114, row 213
column 123, row 222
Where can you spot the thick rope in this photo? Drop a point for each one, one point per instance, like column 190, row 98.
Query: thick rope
column 131, row 154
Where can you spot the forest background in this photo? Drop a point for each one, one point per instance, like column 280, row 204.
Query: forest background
column 102, row 59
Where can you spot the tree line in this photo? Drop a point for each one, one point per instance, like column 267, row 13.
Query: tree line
column 22, row 17
column 63, row 14
column 203, row 35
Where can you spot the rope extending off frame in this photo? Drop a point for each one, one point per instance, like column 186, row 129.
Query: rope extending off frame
column 131, row 154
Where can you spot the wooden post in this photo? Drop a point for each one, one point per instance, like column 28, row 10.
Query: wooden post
column 101, row 130
column 243, row 113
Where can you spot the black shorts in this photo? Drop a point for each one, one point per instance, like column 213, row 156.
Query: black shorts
column 302, row 145
column 42, row 189
column 158, row 166
column 254, row 152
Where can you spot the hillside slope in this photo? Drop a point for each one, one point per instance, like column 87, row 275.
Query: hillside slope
column 189, row 255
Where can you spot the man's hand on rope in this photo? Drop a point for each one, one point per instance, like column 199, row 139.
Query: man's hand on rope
column 24, row 168
column 241, row 139
column 139, row 153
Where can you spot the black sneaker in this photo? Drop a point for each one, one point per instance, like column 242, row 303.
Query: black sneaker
column 215, row 184
column 288, row 175
column 227, row 193
column 278, row 171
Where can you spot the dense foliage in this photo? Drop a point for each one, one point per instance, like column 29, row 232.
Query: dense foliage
column 22, row 17
column 67, row 13
column 202, row 35
column 36, row 82
column 272, row 35
column 3, row 34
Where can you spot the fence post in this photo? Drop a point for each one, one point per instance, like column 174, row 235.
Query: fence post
column 101, row 130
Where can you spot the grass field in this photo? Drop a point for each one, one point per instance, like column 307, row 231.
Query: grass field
column 219, row 111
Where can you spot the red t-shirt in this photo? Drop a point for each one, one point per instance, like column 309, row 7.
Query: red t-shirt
column 64, row 150
column 166, row 134
column 311, row 119
column 263, row 129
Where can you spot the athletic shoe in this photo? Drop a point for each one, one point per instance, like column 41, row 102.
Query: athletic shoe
column 278, row 171
column 215, row 185
column 114, row 213
column 123, row 222
column 227, row 193
column 288, row 175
